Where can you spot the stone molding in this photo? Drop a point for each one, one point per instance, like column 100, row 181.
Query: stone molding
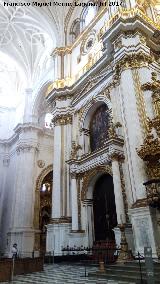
column 24, row 148
column 140, row 203
column 61, row 220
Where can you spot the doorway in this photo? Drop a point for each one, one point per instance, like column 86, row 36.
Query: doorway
column 104, row 209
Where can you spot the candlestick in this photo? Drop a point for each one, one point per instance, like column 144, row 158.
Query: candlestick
column 121, row 219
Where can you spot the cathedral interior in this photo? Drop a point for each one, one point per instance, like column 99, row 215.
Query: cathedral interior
column 79, row 125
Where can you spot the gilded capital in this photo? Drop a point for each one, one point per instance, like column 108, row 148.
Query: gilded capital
column 134, row 60
column 62, row 119
column 116, row 156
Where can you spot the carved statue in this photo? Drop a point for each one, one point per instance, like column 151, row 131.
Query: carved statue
column 75, row 149
column 112, row 129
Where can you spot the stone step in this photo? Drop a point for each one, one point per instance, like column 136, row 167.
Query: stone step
column 122, row 277
column 130, row 272
column 132, row 267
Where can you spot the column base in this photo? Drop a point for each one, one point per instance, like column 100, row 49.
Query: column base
column 77, row 238
column 129, row 237
column 143, row 230
column 24, row 238
column 57, row 237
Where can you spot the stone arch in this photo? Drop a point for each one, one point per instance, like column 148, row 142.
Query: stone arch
column 75, row 29
column 91, row 176
column 39, row 104
column 42, row 175
column 36, row 220
column 91, row 106
column 39, row 180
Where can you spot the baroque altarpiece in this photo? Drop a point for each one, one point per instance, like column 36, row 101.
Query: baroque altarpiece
column 97, row 163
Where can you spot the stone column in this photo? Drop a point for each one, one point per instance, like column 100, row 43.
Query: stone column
column 56, row 192
column 62, row 149
column 118, row 189
column 22, row 231
column 88, row 203
column 74, row 199
column 25, row 186
column 28, row 106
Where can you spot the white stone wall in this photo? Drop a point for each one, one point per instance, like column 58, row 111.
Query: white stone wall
column 18, row 186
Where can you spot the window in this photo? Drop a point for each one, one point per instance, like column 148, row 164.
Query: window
column 91, row 12
column 75, row 29
column 99, row 126
column 48, row 121
column 88, row 14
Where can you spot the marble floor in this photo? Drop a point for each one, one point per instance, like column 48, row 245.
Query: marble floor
column 62, row 274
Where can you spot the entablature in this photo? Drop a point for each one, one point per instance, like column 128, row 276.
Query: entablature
column 102, row 156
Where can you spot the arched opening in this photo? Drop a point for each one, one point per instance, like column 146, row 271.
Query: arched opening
column 75, row 29
column 104, row 209
column 48, row 121
column 99, row 127
column 88, row 14
column 45, row 208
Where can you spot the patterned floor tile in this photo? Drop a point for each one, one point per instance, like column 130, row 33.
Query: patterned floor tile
column 61, row 274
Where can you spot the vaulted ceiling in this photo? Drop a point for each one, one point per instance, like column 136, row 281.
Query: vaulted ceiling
column 29, row 34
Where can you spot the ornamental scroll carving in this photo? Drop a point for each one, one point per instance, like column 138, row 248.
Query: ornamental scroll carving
column 150, row 150
column 130, row 61
column 90, row 174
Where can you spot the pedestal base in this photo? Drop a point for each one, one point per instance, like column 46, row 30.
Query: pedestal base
column 77, row 238
column 129, row 236
column 143, row 230
column 24, row 238
column 61, row 235
column 57, row 237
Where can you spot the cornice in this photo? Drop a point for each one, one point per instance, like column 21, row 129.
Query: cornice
column 9, row 141
column 134, row 23
column 89, row 80
column 61, row 220
column 24, row 127
column 100, row 157
column 27, row 126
